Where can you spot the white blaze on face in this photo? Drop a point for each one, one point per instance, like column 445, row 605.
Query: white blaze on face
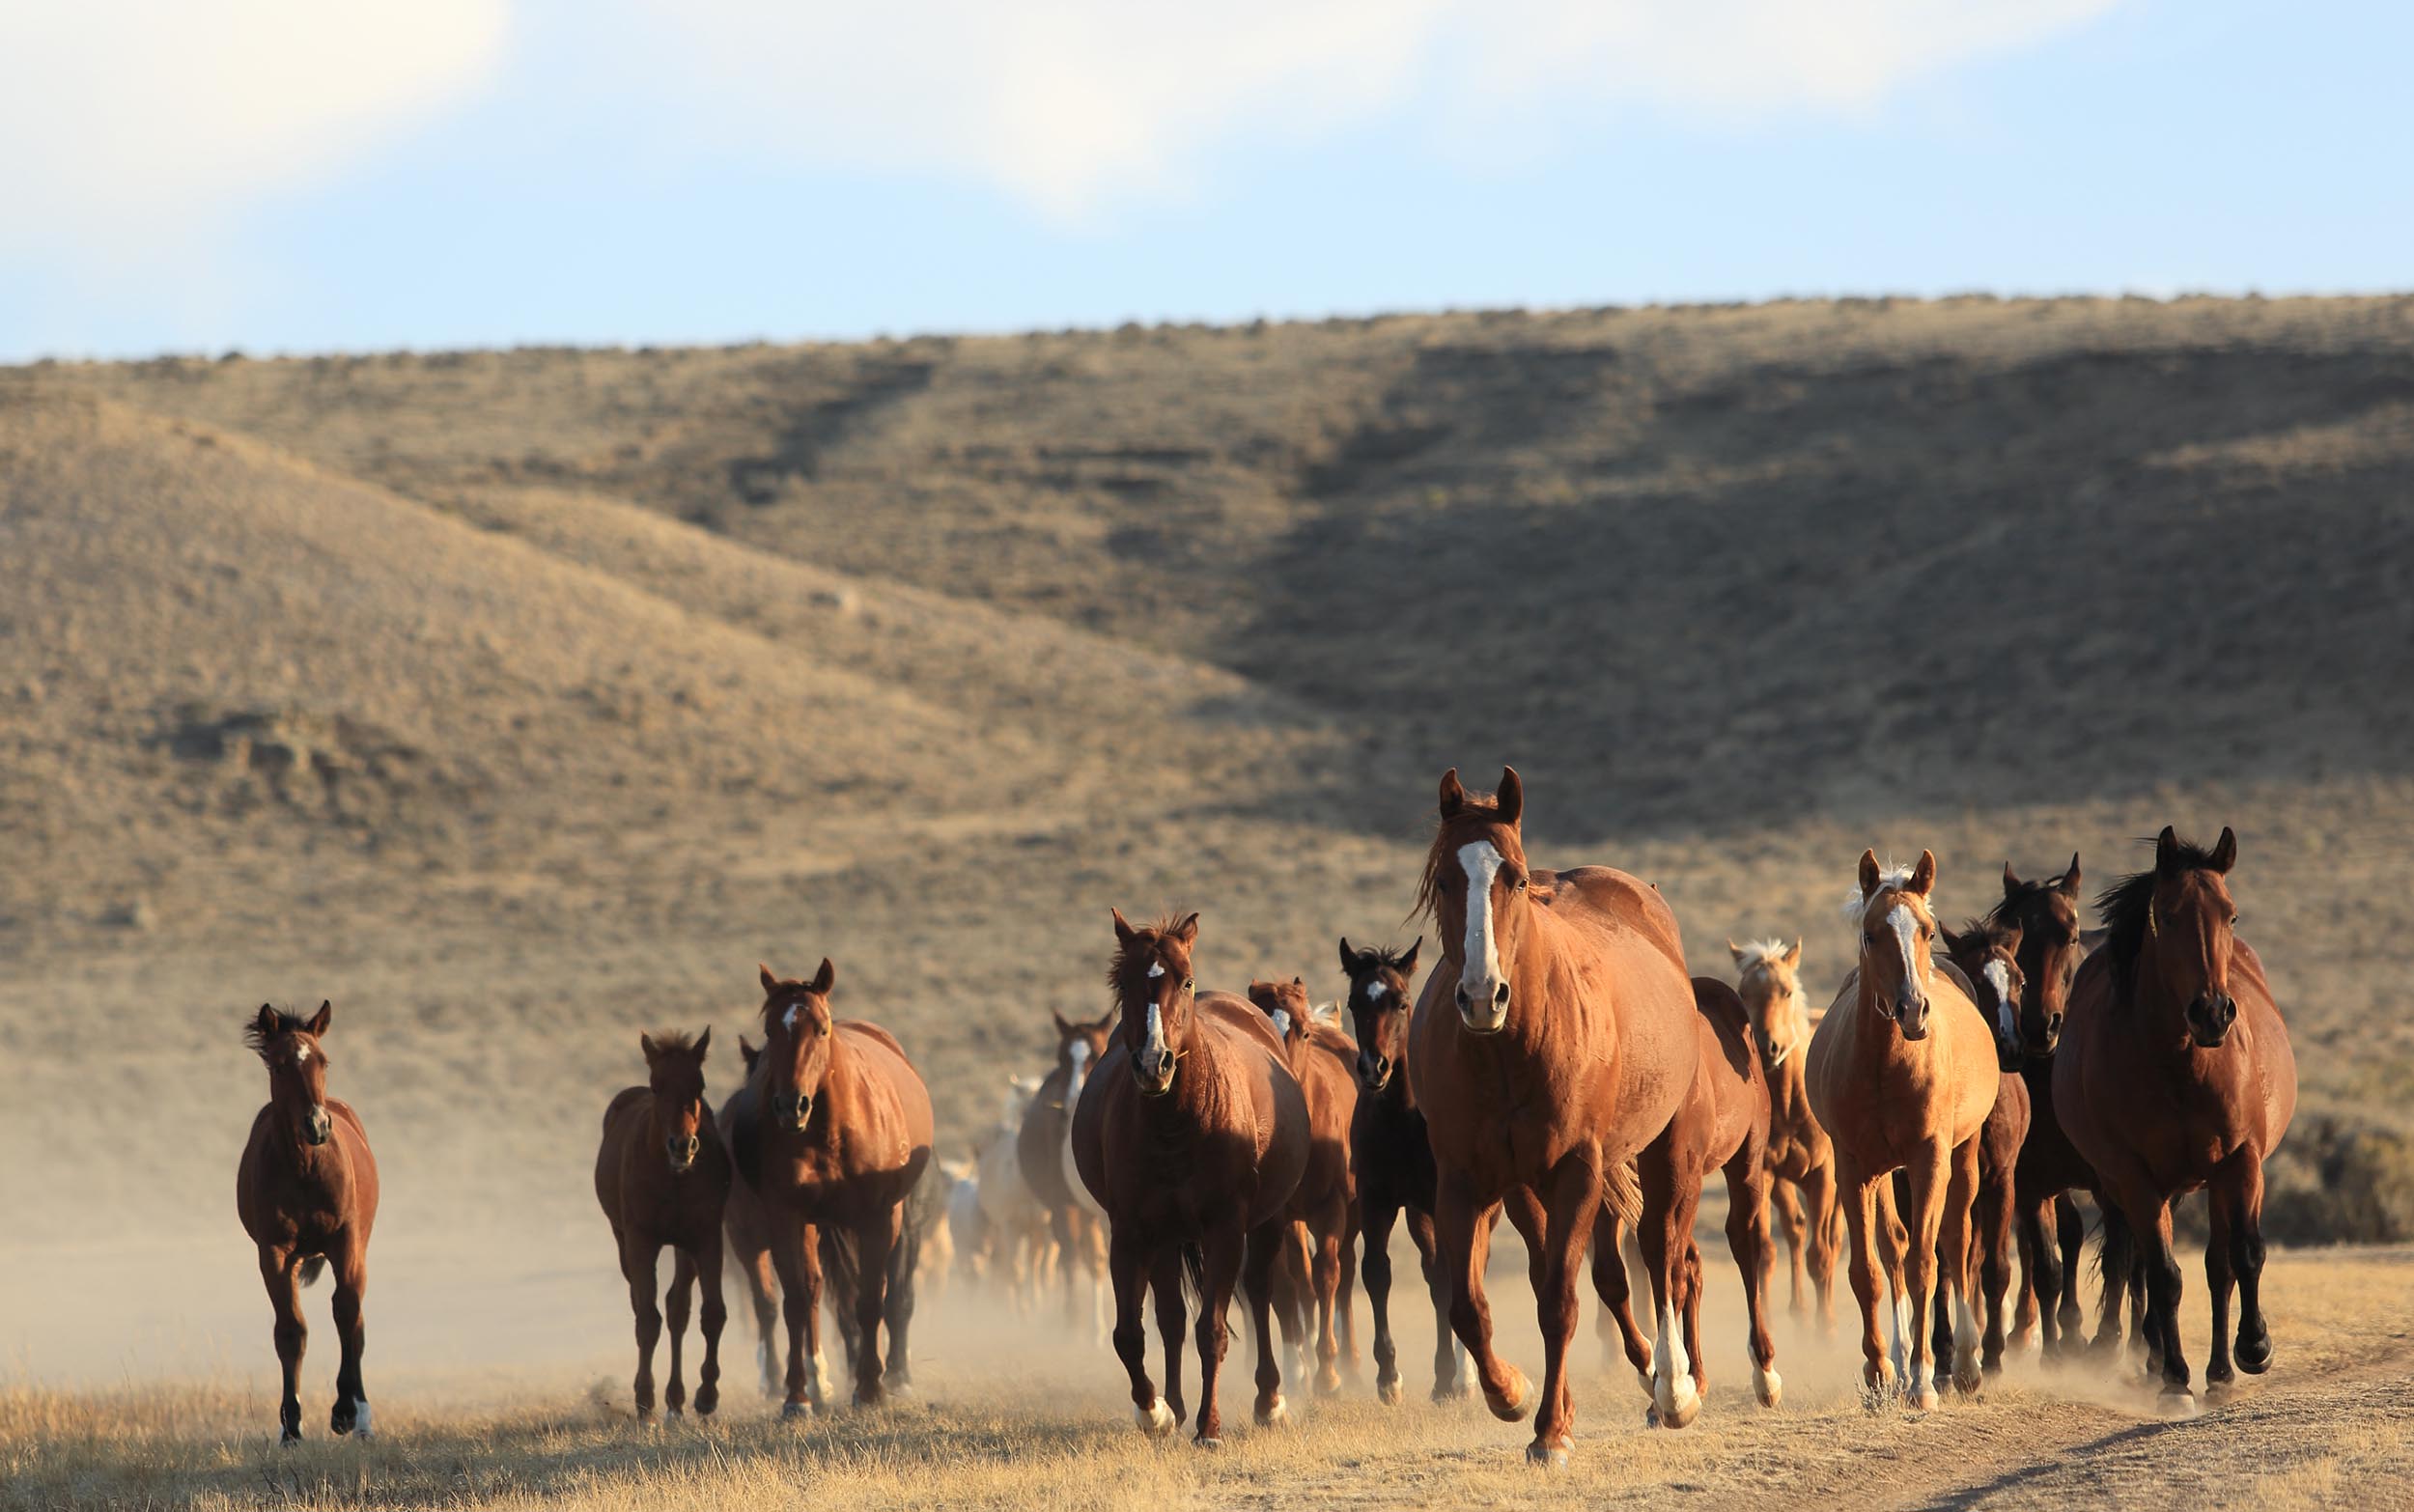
column 1480, row 860
column 1906, row 926
column 788, row 1020
column 1282, row 1025
column 1375, row 991
column 301, row 1054
column 1998, row 977
column 1079, row 1073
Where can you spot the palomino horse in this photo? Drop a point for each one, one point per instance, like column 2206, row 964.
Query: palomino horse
column 1320, row 1057
column 662, row 1177
column 1903, row 1075
column 307, row 1193
column 1192, row 1135
column 1553, row 1045
column 832, row 1129
column 1987, row 956
column 1802, row 1162
column 1392, row 1161
column 2176, row 1073
column 1045, row 1148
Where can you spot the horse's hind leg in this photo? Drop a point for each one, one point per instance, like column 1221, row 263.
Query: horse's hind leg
column 1953, row 1264
column 1172, row 1323
column 2041, row 1258
column 875, row 1240
column 1267, row 1247
column 1616, row 1289
column 903, row 1288
column 1224, row 1247
column 754, row 1264
column 708, row 1391
column 2070, row 1241
column 1451, row 1379
column 678, row 1305
column 1376, row 1261
column 277, row 1273
column 1329, row 1233
column 1995, row 1254
column 1825, row 1216
column 1345, row 1292
column 1787, row 1203
column 1748, row 1239
column 1670, row 1197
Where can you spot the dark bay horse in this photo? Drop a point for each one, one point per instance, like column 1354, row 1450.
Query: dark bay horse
column 1551, row 1049
column 664, row 1177
column 307, row 1193
column 2175, row 1073
column 1802, row 1160
column 1192, row 1135
column 1324, row 1205
column 1045, row 1149
column 1987, row 956
column 1392, row 1160
column 832, row 1131
column 1904, row 1074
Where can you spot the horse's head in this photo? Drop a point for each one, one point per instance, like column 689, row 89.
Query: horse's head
column 797, row 1030
column 1151, row 978
column 2046, row 912
column 297, row 1068
column 1990, row 956
column 1475, row 883
column 674, row 1075
column 1770, row 984
column 1896, row 929
column 1079, row 1046
column 2177, row 920
column 1286, row 1005
column 1379, row 1005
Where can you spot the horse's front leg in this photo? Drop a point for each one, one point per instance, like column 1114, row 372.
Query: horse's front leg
column 1748, row 1241
column 1930, row 1176
column 708, row 1391
column 1863, row 1223
column 1671, row 1195
column 1375, row 1263
column 2245, row 1180
column 1124, row 1273
column 1172, row 1326
column 1569, row 1208
column 352, row 1287
column 278, row 1268
column 2150, row 1216
column 681, row 1305
column 638, row 1255
column 1954, row 1268
column 1451, row 1377
column 1224, row 1244
column 1787, row 1204
column 2220, row 1278
column 875, row 1242
column 1266, row 1246
column 1330, row 1228
column 1825, row 1221
column 796, row 1255
column 1612, row 1283
column 1462, row 1241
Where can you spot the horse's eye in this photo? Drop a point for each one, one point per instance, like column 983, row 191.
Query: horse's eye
column 2233, row 921
column 1188, row 986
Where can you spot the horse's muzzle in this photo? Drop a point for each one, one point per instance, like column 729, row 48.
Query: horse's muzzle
column 682, row 1150
column 1911, row 1015
column 319, row 1128
column 1154, row 1073
column 1374, row 1071
column 793, row 1110
column 2010, row 1053
column 1489, row 1017
column 2210, row 1018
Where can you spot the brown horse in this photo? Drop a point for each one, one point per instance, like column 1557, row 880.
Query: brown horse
column 1802, row 1160
column 662, row 1177
column 832, row 1131
column 1987, row 956
column 1552, row 1048
column 1192, row 1135
column 1045, row 1149
column 307, row 1193
column 1903, row 1075
column 1391, row 1159
column 2176, row 1073
column 1320, row 1057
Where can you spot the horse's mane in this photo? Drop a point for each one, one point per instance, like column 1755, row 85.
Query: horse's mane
column 1890, row 874
column 669, row 1040
column 1428, row 896
column 1397, row 960
column 1995, row 930
column 2127, row 906
column 2007, row 911
column 1762, row 954
column 260, row 1039
column 1131, row 955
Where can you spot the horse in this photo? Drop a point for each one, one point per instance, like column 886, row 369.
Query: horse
column 1392, row 1161
column 306, row 1191
column 832, row 1131
column 1014, row 1223
column 1902, row 1076
column 1722, row 1126
column 662, row 1177
column 1551, row 1049
column 2175, row 1073
column 1320, row 1058
column 1802, row 1160
column 1987, row 956
column 1044, row 1148
column 1192, row 1135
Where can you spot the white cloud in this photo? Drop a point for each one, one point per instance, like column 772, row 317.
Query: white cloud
column 122, row 120
column 1072, row 104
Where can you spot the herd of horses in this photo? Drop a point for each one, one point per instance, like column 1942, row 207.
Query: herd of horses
column 1560, row 1065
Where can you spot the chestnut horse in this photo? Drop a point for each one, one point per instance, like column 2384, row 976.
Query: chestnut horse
column 1552, row 1048
column 1802, row 1162
column 307, row 1193
column 1987, row 956
column 662, row 1176
column 832, row 1129
column 1903, row 1075
column 1192, row 1135
column 1322, row 1207
column 2176, row 1074
column 1391, row 1159
column 1045, row 1149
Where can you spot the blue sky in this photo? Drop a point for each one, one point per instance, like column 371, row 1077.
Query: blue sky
column 280, row 175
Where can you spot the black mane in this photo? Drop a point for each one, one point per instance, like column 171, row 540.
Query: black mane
column 2127, row 906
column 286, row 1024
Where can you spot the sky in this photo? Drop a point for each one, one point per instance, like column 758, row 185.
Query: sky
column 288, row 175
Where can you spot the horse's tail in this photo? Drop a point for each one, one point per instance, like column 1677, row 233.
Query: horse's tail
column 842, row 1270
column 2116, row 1247
column 312, row 1269
column 1193, row 1278
column 1622, row 1190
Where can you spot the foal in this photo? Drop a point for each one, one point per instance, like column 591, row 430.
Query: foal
column 662, row 1177
column 1802, row 1160
column 1044, row 1150
column 1987, row 956
column 307, row 1193
column 1320, row 1057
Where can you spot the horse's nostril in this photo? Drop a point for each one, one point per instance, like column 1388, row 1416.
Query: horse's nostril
column 1500, row 996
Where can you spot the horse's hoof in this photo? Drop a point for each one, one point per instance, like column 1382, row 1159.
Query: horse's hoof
column 1275, row 1413
column 2178, row 1405
column 1967, row 1379
column 1769, row 1387
column 1546, row 1456
column 1455, row 1389
column 795, row 1411
column 1513, row 1407
column 1156, row 1419
column 1923, row 1398
column 1388, row 1392
column 1678, row 1400
column 1328, row 1382
column 287, row 1438
column 2253, row 1354
column 1208, row 1441
column 706, row 1401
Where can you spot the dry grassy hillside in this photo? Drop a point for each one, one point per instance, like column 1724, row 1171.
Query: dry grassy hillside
column 516, row 700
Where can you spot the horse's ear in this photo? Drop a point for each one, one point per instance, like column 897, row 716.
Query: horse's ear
column 645, row 1043
column 1953, row 941
column 747, row 1053
column 826, row 978
column 771, row 983
column 1793, row 956
column 2012, row 933
column 1187, row 932
column 1453, row 796
column 1260, row 993
column 325, row 1015
column 2225, row 852
column 1349, row 957
column 1124, row 931
column 1300, row 982
column 1107, row 1021
column 1512, row 796
column 2068, row 886
column 265, row 1025
column 1736, row 950
column 2166, row 849
column 1868, row 874
column 1923, row 874
column 1064, row 1026
column 1408, row 962
column 2012, row 882
column 703, row 1042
